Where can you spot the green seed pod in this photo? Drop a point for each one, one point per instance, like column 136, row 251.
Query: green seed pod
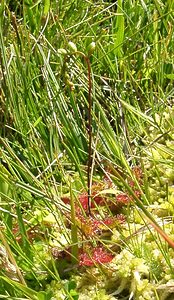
column 62, row 51
column 72, row 47
column 91, row 48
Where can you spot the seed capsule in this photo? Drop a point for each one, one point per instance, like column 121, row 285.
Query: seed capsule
column 72, row 46
column 62, row 51
column 91, row 48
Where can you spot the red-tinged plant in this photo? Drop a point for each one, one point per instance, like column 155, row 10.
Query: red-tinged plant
column 66, row 200
column 97, row 255
column 131, row 183
column 123, row 199
column 87, row 257
column 112, row 222
column 109, row 221
column 90, row 226
column 137, row 171
column 121, row 218
column 98, row 199
column 137, row 193
column 85, row 260
column 83, row 199
column 94, row 200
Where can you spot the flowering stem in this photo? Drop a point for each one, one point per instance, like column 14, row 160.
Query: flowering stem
column 89, row 177
column 74, row 236
column 89, row 133
column 89, row 127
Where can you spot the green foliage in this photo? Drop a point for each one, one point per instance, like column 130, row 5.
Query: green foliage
column 44, row 127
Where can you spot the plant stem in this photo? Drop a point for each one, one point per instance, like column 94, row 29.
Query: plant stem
column 74, row 237
column 89, row 175
column 89, row 133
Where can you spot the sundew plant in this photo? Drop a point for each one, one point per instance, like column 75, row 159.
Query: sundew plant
column 86, row 150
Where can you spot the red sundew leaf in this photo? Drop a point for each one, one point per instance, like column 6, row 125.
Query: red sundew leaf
column 95, row 200
column 94, row 222
column 137, row 193
column 123, row 199
column 98, row 256
column 98, row 199
column 131, row 183
column 121, row 218
column 137, row 172
column 89, row 225
column 102, row 256
column 85, row 260
column 84, row 201
column 66, row 200
column 110, row 222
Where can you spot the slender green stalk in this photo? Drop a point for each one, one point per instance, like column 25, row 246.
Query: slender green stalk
column 89, row 168
column 74, row 236
column 89, row 175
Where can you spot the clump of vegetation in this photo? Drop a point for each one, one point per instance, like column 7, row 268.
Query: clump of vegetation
column 86, row 158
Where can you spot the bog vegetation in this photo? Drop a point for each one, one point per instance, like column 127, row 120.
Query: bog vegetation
column 86, row 150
